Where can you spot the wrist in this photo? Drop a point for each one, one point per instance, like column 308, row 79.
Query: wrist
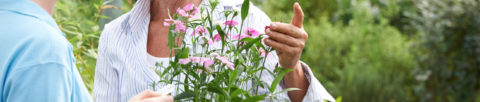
column 296, row 79
column 296, row 74
column 297, row 68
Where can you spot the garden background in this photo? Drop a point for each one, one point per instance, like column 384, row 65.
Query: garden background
column 360, row 50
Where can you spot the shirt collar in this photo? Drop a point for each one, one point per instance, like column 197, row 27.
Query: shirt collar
column 28, row 8
column 139, row 15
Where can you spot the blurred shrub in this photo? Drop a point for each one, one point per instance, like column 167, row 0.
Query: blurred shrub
column 362, row 61
column 78, row 19
column 448, row 50
column 392, row 10
column 313, row 8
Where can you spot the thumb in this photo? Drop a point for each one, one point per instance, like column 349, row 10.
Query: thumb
column 297, row 19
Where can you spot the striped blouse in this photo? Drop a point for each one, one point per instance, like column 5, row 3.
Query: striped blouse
column 124, row 68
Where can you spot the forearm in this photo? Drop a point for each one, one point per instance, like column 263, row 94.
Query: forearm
column 296, row 79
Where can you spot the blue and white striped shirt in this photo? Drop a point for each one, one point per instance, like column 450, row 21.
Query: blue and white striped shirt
column 124, row 68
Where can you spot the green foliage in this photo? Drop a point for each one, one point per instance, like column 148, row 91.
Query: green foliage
column 79, row 21
column 362, row 60
column 447, row 50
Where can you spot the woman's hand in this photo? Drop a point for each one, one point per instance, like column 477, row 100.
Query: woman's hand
column 288, row 39
column 150, row 96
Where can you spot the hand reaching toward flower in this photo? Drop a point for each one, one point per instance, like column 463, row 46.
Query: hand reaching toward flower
column 289, row 40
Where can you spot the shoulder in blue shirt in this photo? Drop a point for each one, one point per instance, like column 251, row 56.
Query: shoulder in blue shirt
column 36, row 61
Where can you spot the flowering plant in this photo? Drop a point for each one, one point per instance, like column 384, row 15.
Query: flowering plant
column 210, row 74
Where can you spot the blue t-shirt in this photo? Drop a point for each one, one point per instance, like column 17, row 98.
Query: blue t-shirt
column 36, row 60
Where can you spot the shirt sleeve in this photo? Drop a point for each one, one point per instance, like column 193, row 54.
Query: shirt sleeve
column 47, row 82
column 316, row 92
column 106, row 85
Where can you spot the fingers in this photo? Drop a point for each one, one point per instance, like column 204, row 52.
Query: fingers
column 279, row 46
column 163, row 98
column 150, row 96
column 288, row 29
column 297, row 19
column 285, row 39
column 147, row 94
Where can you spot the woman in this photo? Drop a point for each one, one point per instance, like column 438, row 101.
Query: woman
column 131, row 45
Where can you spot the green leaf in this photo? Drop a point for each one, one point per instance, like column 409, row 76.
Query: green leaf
column 221, row 32
column 250, row 43
column 222, row 35
column 214, row 88
column 194, row 74
column 233, row 76
column 184, row 95
column 185, row 53
column 237, row 99
column 237, row 92
column 279, row 78
column 185, row 81
column 255, row 98
column 245, row 8
column 246, row 39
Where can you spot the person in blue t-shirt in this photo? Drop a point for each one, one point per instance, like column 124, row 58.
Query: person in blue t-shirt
column 36, row 60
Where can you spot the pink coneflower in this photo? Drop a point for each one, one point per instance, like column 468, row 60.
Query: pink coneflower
column 222, row 59
column 207, row 63
column 166, row 24
column 184, row 61
column 231, row 66
column 180, row 27
column 231, row 23
column 188, row 11
column 217, row 38
column 252, row 32
column 188, row 7
column 182, row 12
column 199, row 30
column 208, row 40
column 195, row 59
column 195, row 10
column 239, row 37
column 226, row 61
